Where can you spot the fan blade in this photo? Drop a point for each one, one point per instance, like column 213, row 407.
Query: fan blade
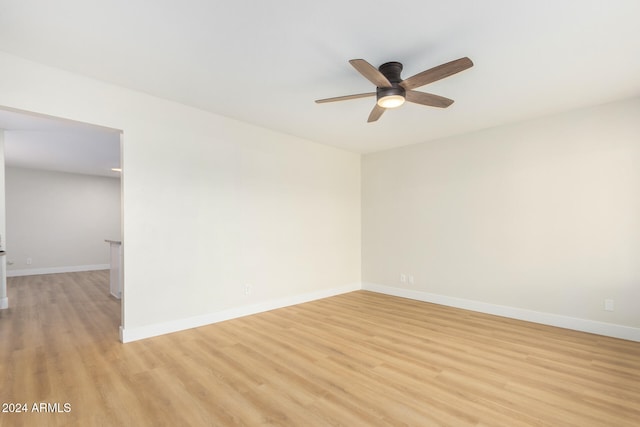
column 437, row 73
column 346, row 97
column 427, row 99
column 375, row 113
column 370, row 72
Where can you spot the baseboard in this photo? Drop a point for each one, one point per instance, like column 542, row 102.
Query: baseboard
column 54, row 270
column 591, row 326
column 135, row 334
column 4, row 303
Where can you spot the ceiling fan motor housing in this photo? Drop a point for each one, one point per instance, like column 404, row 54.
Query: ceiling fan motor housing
column 381, row 92
column 391, row 70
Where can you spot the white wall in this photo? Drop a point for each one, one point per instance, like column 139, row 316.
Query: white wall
column 4, row 300
column 541, row 216
column 2, row 213
column 59, row 220
column 210, row 204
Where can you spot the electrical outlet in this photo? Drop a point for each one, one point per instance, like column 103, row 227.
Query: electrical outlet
column 403, row 278
column 608, row 305
column 29, row 261
column 411, row 279
column 248, row 289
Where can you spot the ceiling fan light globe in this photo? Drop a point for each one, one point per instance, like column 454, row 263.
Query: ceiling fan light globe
column 391, row 101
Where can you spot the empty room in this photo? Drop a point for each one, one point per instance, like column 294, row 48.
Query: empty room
column 321, row 214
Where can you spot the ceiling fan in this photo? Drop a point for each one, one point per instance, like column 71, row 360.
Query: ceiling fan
column 392, row 91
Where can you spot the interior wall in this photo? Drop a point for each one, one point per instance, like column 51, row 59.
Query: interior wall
column 542, row 215
column 58, row 222
column 4, row 300
column 2, row 203
column 218, row 214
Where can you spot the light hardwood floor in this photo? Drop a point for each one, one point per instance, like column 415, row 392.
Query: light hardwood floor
column 359, row 359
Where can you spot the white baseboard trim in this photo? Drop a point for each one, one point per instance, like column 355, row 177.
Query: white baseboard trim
column 4, row 303
column 135, row 334
column 54, row 270
column 584, row 325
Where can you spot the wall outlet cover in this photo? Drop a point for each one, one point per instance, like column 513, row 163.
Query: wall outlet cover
column 608, row 305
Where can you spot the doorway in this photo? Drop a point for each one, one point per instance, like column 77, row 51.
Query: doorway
column 61, row 194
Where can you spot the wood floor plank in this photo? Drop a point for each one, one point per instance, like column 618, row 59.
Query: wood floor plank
column 358, row 359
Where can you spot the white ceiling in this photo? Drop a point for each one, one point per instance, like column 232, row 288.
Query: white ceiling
column 40, row 142
column 265, row 62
